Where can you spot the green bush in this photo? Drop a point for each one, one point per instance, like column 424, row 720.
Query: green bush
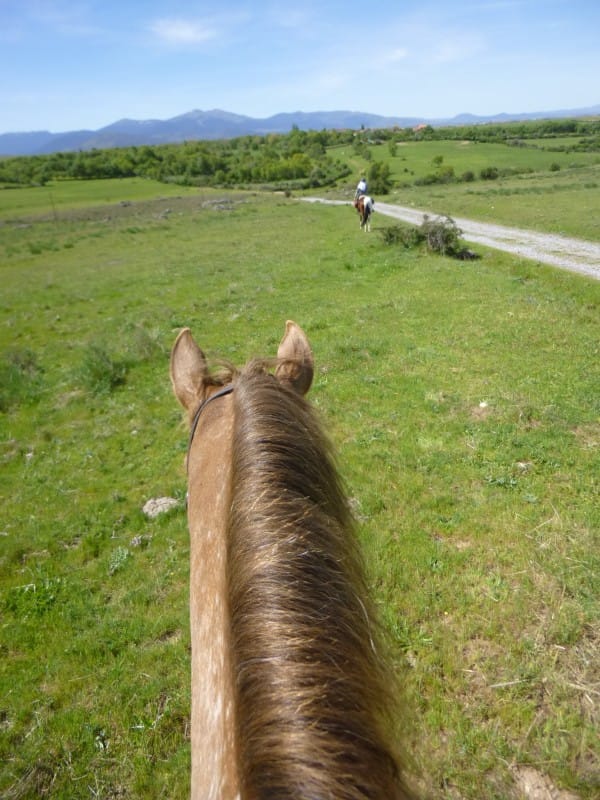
column 379, row 178
column 100, row 372
column 441, row 235
column 20, row 378
column 489, row 173
column 427, row 180
column 406, row 235
column 443, row 175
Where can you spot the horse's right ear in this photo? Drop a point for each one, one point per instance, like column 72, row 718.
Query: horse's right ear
column 296, row 365
column 188, row 370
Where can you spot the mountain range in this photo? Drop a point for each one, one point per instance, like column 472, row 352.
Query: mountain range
column 217, row 124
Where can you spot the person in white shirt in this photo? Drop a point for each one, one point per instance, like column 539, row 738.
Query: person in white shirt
column 361, row 188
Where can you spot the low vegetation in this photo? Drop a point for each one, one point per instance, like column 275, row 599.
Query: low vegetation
column 440, row 235
column 462, row 400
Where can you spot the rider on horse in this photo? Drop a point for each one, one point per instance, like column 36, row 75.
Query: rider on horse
column 361, row 188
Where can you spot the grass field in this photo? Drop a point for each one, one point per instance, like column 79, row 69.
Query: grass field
column 463, row 401
column 54, row 198
column 564, row 200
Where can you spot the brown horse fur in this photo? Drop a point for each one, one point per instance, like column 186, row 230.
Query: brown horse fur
column 290, row 696
column 364, row 207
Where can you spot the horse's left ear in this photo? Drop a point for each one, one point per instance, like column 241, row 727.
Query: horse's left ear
column 296, row 365
column 188, row 370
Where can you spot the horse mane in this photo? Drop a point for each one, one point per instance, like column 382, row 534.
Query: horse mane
column 313, row 701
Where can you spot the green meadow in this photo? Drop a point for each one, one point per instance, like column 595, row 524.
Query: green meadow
column 550, row 190
column 463, row 402
column 54, row 198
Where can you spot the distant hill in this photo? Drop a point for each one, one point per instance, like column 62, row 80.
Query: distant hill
column 217, row 124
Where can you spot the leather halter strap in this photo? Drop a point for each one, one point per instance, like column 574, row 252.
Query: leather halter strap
column 223, row 391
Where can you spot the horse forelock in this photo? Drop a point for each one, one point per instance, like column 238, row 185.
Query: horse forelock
column 313, row 695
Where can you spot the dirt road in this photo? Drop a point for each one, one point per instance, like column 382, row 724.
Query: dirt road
column 575, row 255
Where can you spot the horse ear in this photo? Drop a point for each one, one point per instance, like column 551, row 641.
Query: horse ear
column 188, row 370
column 296, row 359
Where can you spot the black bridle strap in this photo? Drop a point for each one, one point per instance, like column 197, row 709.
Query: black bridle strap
column 225, row 390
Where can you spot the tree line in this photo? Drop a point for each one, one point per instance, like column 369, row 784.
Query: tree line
column 296, row 160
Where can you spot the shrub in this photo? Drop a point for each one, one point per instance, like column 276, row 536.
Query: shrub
column 443, row 175
column 379, row 178
column 146, row 344
column 317, row 177
column 426, row 180
column 441, row 235
column 20, row 378
column 100, row 372
column 489, row 173
column 468, row 176
column 406, row 235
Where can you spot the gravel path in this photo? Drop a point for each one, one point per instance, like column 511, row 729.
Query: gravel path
column 575, row 255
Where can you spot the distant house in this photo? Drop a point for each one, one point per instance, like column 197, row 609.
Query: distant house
column 420, row 127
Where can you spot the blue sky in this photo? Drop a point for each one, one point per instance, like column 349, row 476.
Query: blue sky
column 71, row 64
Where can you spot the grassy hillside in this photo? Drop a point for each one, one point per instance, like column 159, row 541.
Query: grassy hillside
column 463, row 402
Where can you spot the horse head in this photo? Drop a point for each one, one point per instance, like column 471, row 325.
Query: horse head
column 291, row 696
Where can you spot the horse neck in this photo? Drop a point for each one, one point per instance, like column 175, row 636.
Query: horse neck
column 310, row 687
column 214, row 760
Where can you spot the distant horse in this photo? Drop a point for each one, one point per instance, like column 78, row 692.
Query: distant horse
column 290, row 695
column 365, row 206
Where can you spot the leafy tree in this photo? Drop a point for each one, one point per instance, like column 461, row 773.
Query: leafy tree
column 379, row 178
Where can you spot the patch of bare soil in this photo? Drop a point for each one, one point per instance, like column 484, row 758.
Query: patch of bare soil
column 533, row 785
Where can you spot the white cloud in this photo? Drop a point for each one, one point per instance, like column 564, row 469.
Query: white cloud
column 395, row 55
column 181, row 31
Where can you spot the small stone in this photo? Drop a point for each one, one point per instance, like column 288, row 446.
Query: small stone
column 158, row 505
